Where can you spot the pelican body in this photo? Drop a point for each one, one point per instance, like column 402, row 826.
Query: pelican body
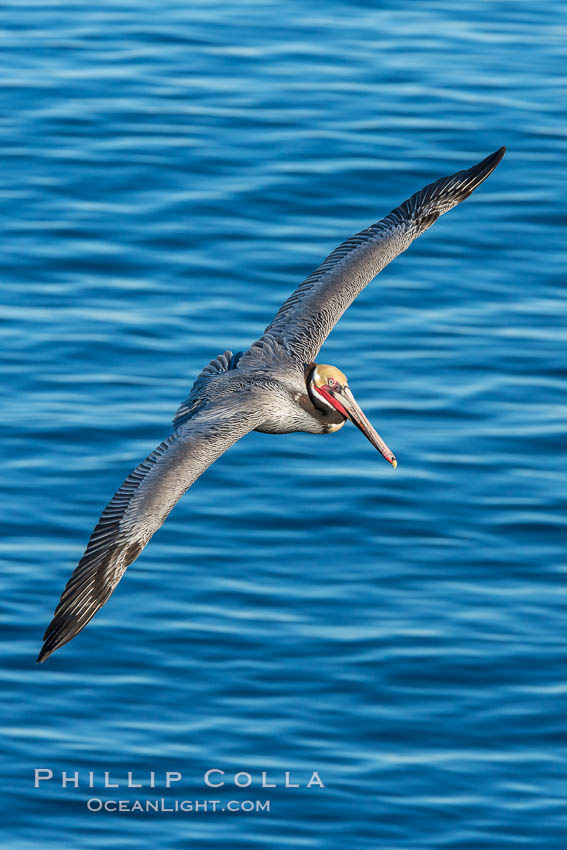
column 276, row 387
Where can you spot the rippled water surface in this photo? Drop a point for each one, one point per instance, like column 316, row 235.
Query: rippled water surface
column 169, row 173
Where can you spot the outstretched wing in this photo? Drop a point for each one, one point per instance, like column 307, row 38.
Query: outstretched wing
column 307, row 317
column 140, row 507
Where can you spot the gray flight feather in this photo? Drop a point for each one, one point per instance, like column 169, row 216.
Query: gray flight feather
column 305, row 320
column 140, row 506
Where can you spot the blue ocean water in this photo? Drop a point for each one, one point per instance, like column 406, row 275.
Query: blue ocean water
column 169, row 173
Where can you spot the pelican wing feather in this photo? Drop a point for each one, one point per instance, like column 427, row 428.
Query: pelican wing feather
column 140, row 506
column 307, row 317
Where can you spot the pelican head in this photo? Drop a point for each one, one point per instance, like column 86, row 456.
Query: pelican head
column 329, row 387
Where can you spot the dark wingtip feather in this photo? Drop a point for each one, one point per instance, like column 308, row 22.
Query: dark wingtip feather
column 485, row 168
column 425, row 207
column 56, row 637
column 43, row 654
column 462, row 184
column 471, row 178
column 499, row 154
column 81, row 600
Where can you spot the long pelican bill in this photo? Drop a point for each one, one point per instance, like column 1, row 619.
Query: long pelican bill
column 346, row 404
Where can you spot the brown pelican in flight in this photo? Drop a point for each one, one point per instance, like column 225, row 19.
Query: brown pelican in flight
column 275, row 387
